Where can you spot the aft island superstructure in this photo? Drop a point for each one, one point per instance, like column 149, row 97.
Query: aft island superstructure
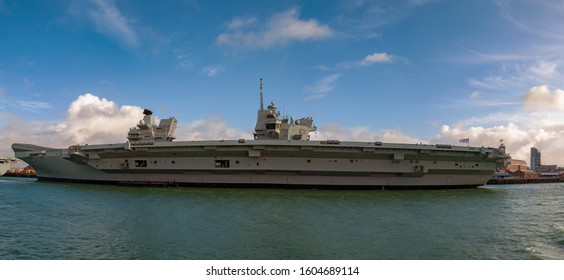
column 281, row 155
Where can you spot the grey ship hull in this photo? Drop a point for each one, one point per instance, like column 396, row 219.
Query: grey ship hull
column 266, row 163
column 4, row 165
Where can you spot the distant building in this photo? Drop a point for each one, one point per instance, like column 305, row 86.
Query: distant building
column 502, row 162
column 526, row 174
column 516, row 164
column 504, row 175
column 535, row 158
column 549, row 175
column 28, row 170
column 549, row 168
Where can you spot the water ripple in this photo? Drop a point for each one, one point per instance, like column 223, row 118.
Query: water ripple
column 73, row 221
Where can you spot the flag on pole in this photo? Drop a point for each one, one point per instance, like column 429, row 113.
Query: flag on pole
column 465, row 140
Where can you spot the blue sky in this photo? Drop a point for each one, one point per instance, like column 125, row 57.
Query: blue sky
column 76, row 72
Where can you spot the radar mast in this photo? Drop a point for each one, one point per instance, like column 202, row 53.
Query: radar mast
column 261, row 104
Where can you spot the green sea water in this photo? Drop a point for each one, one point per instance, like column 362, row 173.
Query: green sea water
column 75, row 221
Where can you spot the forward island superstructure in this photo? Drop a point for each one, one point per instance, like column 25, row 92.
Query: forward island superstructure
column 281, row 155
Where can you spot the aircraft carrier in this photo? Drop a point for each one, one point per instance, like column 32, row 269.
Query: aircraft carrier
column 280, row 155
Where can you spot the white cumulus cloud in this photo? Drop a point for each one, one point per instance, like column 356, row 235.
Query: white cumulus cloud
column 376, row 58
column 369, row 60
column 538, row 123
column 94, row 120
column 517, row 139
column 281, row 28
column 91, row 119
column 542, row 98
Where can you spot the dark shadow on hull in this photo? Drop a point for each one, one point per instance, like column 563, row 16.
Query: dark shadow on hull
column 251, row 186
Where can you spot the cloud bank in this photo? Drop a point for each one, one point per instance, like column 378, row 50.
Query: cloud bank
column 538, row 123
column 94, row 120
column 362, row 133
